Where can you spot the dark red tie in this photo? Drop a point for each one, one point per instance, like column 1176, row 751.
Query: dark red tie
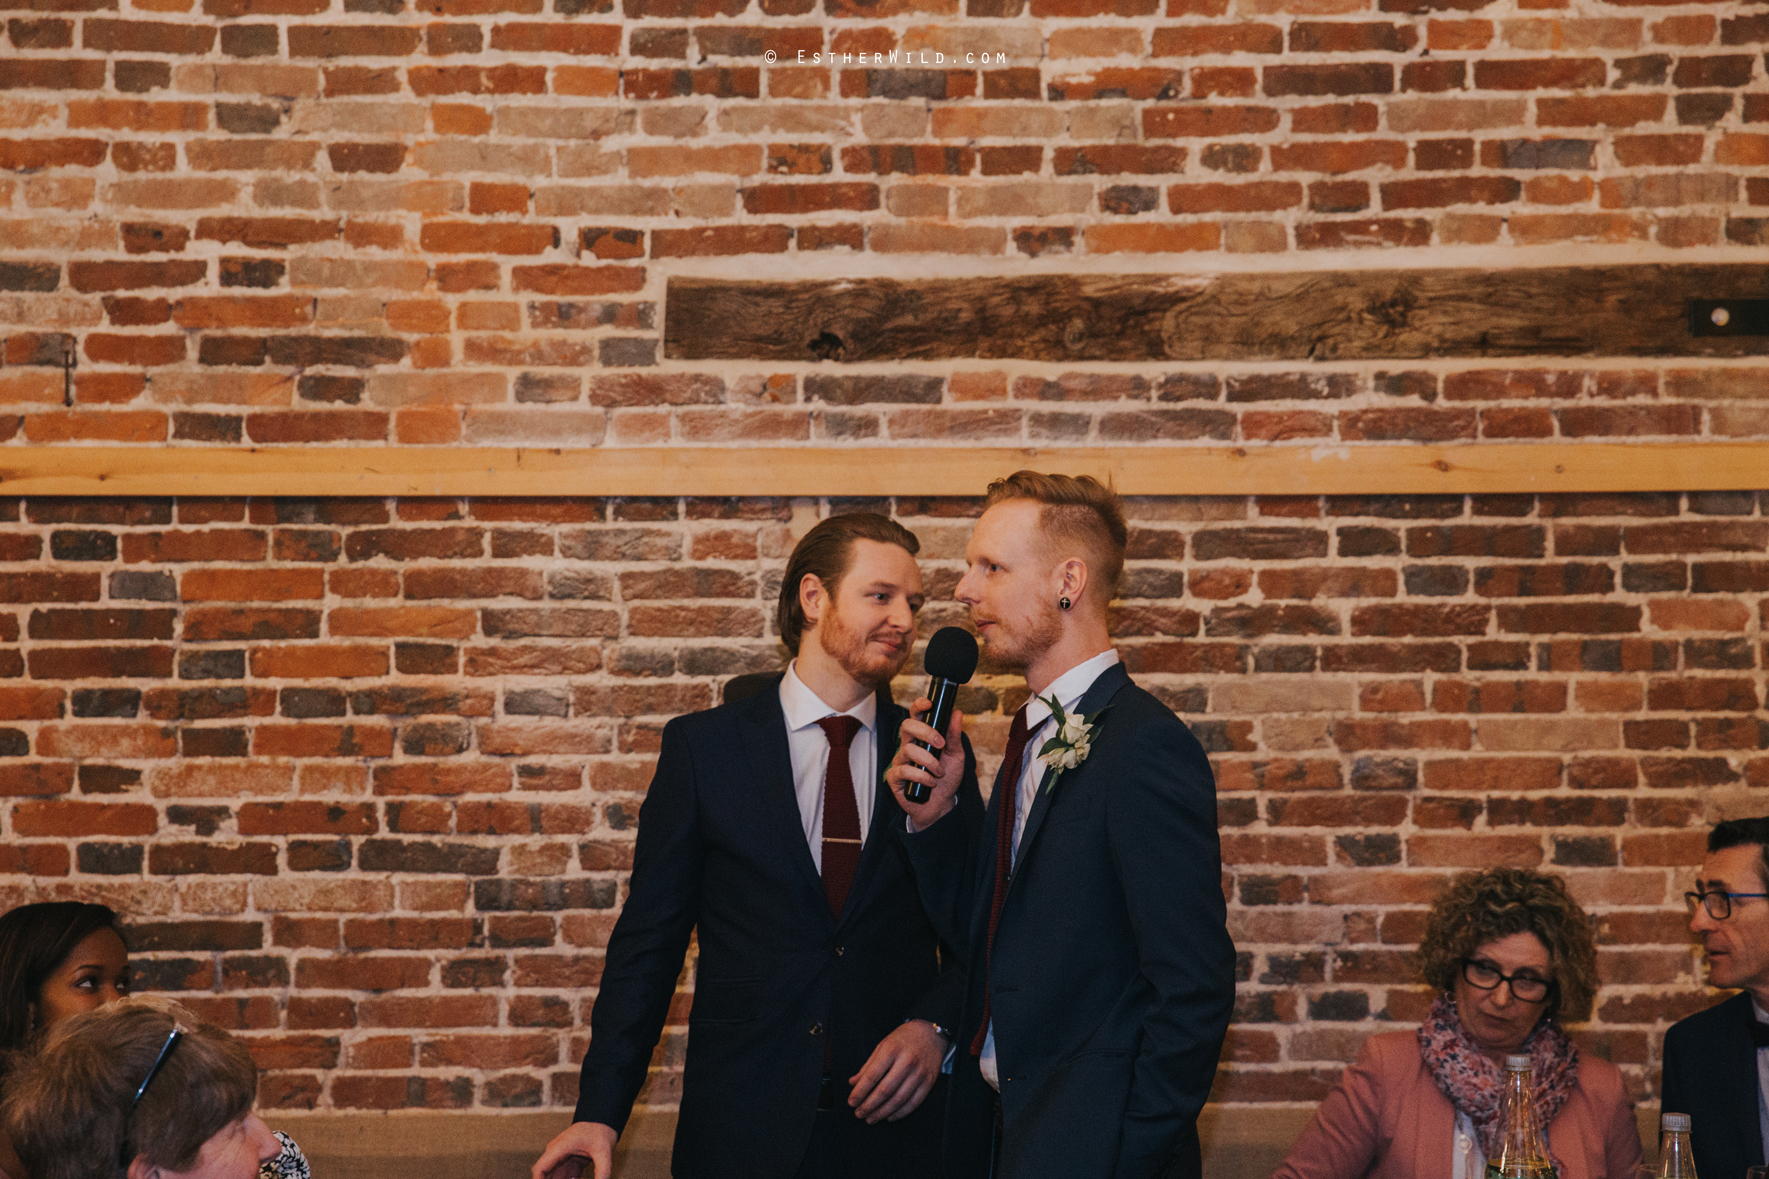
column 841, row 814
column 1007, row 788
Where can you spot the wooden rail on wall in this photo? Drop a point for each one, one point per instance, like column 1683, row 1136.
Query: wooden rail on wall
column 1483, row 468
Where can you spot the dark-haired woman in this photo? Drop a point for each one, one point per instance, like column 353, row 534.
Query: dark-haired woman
column 1511, row 954
column 59, row 959
column 138, row 1090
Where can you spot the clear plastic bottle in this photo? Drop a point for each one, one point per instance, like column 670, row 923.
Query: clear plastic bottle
column 1676, row 1161
column 1523, row 1152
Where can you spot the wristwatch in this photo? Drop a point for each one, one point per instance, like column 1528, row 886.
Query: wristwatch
column 945, row 1033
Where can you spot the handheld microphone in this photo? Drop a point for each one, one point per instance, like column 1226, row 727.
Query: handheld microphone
column 951, row 660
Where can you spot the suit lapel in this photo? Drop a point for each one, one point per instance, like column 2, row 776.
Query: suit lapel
column 884, row 804
column 770, row 759
column 1739, row 1059
column 1097, row 696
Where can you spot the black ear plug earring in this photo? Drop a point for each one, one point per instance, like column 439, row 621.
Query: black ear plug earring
column 1064, row 603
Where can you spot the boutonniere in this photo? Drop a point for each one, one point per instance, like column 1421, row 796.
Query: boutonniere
column 1073, row 740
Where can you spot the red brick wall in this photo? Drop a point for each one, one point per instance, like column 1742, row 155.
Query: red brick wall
column 365, row 773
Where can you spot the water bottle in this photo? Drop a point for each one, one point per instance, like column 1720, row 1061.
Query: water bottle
column 1523, row 1153
column 1675, row 1159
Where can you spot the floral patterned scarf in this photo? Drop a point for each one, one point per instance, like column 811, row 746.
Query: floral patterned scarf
column 1473, row 1082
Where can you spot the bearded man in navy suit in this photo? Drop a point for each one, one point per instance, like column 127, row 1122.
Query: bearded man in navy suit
column 822, row 997
column 1101, row 974
column 1717, row 1061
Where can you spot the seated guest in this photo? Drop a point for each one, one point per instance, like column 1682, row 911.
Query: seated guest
column 1511, row 953
column 137, row 1090
column 1717, row 1061
column 58, row 959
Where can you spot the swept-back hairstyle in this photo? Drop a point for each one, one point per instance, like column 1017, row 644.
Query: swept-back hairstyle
column 1078, row 512
column 1482, row 907
column 69, row 1112
column 34, row 940
column 827, row 552
column 1742, row 833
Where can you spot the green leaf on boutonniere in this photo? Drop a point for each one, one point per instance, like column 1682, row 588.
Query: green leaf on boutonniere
column 1073, row 740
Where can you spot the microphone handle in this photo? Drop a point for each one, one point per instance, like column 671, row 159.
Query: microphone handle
column 944, row 694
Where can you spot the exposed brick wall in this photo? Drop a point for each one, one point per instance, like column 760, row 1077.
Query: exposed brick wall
column 288, row 221
column 365, row 772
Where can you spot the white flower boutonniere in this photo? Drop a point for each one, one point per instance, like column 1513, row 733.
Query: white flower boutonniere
column 1073, row 740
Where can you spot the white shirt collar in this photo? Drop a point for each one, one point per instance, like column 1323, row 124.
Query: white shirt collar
column 804, row 707
column 1068, row 688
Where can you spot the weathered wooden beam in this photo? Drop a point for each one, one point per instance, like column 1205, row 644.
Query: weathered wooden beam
column 880, row 471
column 1325, row 315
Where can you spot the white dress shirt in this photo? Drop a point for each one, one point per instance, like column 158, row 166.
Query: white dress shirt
column 1468, row 1156
column 809, row 747
column 1068, row 689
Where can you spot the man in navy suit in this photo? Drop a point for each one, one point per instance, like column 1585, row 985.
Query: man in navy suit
column 1717, row 1061
column 1101, row 974
column 822, row 998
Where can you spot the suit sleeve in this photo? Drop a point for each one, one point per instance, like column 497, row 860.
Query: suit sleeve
column 943, row 1003
column 943, row 858
column 649, row 941
column 1161, row 828
column 1342, row 1140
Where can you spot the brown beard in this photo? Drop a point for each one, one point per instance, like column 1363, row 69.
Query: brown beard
column 847, row 647
column 1046, row 629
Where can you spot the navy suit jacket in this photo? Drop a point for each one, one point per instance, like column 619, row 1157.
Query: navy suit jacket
column 1113, row 975
column 1711, row 1075
column 722, row 850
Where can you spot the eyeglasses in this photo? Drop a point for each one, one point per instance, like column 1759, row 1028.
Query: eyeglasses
column 1718, row 902
column 172, row 1038
column 1527, row 988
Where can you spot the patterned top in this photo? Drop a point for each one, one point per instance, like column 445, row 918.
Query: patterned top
column 290, row 1164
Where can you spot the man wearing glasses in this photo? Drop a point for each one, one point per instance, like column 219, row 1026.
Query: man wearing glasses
column 1717, row 1061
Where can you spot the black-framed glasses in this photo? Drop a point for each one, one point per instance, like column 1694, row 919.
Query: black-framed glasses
column 1717, row 901
column 172, row 1038
column 1526, row 988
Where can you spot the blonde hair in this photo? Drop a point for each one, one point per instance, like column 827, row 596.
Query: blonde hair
column 1078, row 512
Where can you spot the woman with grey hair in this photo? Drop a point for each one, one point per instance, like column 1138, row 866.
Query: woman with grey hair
column 140, row 1089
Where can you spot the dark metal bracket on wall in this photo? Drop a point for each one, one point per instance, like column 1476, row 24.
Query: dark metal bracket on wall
column 1729, row 317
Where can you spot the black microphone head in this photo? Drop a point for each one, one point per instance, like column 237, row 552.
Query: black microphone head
column 951, row 655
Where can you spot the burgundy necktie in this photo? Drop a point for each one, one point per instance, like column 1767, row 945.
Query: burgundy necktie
column 1007, row 788
column 841, row 813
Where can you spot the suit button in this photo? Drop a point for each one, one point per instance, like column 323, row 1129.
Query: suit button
column 816, row 1029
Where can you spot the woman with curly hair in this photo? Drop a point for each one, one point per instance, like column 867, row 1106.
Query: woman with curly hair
column 1511, row 954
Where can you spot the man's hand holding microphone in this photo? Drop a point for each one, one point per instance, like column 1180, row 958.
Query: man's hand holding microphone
column 930, row 757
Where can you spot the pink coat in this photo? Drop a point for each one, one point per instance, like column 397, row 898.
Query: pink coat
column 1387, row 1119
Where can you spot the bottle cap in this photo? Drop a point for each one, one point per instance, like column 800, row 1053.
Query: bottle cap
column 1674, row 1121
column 1517, row 1064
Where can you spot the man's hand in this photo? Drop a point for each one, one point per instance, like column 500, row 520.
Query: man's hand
column 565, row 1155
column 898, row 1075
column 942, row 772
